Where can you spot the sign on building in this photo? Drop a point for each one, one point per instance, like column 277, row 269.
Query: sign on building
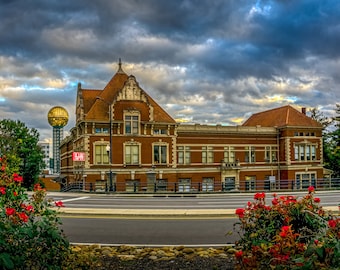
column 78, row 156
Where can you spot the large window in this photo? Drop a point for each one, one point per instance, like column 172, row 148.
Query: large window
column 207, row 154
column 101, row 130
column 304, row 152
column 101, row 156
column 208, row 184
column 131, row 124
column 229, row 154
column 183, row 154
column 304, row 180
column 271, row 154
column 160, row 153
column 250, row 182
column 132, row 154
column 250, row 156
column 160, row 131
column 184, row 185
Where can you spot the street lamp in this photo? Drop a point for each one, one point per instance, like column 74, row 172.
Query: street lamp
column 109, row 148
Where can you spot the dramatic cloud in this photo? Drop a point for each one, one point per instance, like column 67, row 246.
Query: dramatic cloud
column 213, row 61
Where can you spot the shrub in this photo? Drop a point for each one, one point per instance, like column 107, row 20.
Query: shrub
column 30, row 235
column 292, row 233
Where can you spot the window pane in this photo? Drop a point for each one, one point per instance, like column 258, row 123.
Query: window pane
column 127, row 127
column 180, row 157
column 98, row 154
column 313, row 152
column 302, row 153
column 135, row 128
column 204, row 157
column 308, row 152
column 253, row 157
column 296, row 152
column 128, row 154
column 135, row 157
column 187, row 155
column 156, row 154
column 163, row 154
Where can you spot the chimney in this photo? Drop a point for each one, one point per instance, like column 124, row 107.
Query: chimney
column 303, row 110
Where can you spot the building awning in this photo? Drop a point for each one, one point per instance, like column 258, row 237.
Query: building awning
column 327, row 172
column 60, row 178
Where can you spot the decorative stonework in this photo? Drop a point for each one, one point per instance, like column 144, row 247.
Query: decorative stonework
column 321, row 151
column 131, row 91
column 288, row 154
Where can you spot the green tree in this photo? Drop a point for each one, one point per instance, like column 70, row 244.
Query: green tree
column 326, row 123
column 20, row 145
column 334, row 145
column 317, row 115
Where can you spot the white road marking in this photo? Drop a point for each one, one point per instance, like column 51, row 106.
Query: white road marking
column 75, row 199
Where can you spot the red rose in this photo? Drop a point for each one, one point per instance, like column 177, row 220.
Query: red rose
column 317, row 200
column 240, row 212
column 258, row 196
column 3, row 190
column 29, row 208
column 23, row 216
column 10, row 211
column 59, row 204
column 275, row 201
column 283, row 234
column 311, row 189
column 332, row 223
column 17, row 178
column 238, row 254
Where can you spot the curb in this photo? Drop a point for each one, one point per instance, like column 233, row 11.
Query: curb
column 161, row 212
column 149, row 212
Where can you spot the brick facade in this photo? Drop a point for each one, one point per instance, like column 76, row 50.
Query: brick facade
column 280, row 148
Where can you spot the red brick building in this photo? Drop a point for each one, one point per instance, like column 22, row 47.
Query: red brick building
column 276, row 149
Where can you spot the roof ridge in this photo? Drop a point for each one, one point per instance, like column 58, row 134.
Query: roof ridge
column 287, row 116
column 275, row 109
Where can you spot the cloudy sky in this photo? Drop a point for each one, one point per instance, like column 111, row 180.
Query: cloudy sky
column 204, row 61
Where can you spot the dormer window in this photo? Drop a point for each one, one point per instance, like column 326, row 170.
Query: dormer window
column 131, row 122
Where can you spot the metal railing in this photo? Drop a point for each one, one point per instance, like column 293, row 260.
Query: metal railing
column 178, row 187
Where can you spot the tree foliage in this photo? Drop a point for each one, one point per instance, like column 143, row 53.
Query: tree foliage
column 20, row 145
column 317, row 115
column 334, row 145
column 331, row 139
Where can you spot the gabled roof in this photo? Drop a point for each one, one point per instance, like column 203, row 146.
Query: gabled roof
column 102, row 99
column 96, row 102
column 281, row 117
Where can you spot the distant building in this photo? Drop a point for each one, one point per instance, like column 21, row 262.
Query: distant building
column 149, row 151
column 46, row 149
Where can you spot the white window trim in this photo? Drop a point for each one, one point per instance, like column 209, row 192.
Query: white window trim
column 186, row 154
column 167, row 152
column 104, row 145
column 132, row 113
column 139, row 152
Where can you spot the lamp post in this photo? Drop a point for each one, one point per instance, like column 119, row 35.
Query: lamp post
column 109, row 148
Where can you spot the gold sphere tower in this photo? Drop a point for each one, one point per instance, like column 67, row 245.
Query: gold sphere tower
column 57, row 118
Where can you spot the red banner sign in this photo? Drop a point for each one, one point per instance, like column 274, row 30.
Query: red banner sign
column 78, row 156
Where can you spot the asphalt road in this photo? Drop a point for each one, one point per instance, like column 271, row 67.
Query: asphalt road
column 159, row 231
column 147, row 201
column 153, row 232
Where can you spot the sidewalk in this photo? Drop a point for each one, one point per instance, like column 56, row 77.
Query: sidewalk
column 160, row 212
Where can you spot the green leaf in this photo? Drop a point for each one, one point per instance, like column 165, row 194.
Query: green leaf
column 6, row 261
column 321, row 253
column 309, row 252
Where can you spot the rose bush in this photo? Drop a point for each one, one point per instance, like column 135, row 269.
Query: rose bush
column 30, row 235
column 292, row 233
